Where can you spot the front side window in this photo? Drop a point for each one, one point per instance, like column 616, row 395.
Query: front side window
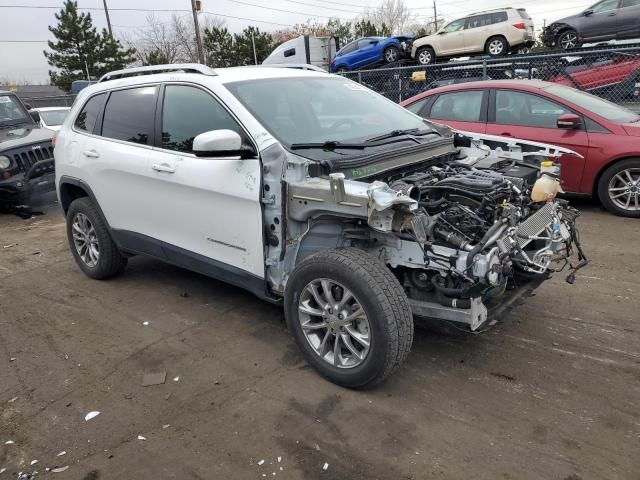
column 364, row 43
column 604, row 6
column 350, row 47
column 460, row 106
column 86, row 120
column 129, row 115
column 518, row 108
column 455, row 26
column 597, row 105
column 186, row 113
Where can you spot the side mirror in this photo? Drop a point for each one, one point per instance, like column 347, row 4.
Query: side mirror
column 35, row 116
column 442, row 32
column 373, row 42
column 569, row 121
column 588, row 12
column 220, row 143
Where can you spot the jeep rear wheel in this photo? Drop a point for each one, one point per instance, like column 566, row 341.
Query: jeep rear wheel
column 349, row 316
column 90, row 242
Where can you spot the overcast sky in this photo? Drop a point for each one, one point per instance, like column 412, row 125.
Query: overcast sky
column 24, row 61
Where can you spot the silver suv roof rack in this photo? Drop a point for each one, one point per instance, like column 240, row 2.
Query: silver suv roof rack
column 151, row 69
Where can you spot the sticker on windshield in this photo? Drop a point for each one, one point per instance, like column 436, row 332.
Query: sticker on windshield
column 5, row 99
column 355, row 86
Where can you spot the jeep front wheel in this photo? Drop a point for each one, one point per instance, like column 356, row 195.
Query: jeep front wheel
column 349, row 316
column 90, row 242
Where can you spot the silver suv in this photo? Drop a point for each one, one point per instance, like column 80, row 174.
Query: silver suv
column 494, row 32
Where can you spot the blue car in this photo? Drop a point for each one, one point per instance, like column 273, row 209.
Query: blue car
column 368, row 50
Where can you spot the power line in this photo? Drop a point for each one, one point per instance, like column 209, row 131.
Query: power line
column 280, row 9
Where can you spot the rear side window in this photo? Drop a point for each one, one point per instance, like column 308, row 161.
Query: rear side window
column 630, row 3
column 478, row 21
column 523, row 13
column 86, row 120
column 188, row 112
column 129, row 115
column 498, row 17
column 461, row 106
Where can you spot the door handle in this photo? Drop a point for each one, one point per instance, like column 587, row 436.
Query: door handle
column 506, row 134
column 163, row 167
column 91, row 154
column 612, row 14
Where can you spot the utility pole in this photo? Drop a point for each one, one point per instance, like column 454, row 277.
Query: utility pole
column 106, row 12
column 195, row 23
column 253, row 41
column 435, row 17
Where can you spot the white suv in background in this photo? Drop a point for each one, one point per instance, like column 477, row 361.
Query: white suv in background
column 310, row 191
column 494, row 32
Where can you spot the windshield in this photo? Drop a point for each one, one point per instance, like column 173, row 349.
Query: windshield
column 11, row 111
column 317, row 110
column 53, row 118
column 594, row 104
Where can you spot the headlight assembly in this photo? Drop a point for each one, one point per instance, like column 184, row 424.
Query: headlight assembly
column 5, row 161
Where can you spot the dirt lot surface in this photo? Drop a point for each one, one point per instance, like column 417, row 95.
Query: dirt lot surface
column 552, row 392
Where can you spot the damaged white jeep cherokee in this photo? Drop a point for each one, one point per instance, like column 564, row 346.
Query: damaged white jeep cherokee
column 310, row 190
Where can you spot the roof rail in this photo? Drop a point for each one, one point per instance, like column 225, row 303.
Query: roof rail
column 298, row 66
column 150, row 69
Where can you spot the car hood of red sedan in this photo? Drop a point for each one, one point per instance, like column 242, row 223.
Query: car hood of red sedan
column 632, row 129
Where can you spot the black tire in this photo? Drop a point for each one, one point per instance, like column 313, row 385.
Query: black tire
column 391, row 54
column 568, row 40
column 342, row 70
column 110, row 261
column 383, row 301
column 426, row 56
column 496, row 46
column 614, row 176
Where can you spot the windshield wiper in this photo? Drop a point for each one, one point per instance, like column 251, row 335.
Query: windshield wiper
column 399, row 133
column 329, row 146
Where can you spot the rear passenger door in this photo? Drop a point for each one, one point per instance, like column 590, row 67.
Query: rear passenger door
column 463, row 110
column 116, row 157
column 203, row 209
column 476, row 32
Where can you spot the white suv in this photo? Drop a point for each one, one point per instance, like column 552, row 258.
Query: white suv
column 494, row 32
column 311, row 191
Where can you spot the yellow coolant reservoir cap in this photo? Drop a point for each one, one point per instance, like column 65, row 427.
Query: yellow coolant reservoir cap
column 546, row 163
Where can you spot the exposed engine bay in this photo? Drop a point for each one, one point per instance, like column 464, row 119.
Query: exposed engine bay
column 460, row 230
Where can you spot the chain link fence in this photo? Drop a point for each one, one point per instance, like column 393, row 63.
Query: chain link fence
column 610, row 73
column 52, row 101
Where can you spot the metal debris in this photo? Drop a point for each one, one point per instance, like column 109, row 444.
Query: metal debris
column 260, row 462
column 279, row 459
column 12, row 400
column 154, row 379
column 10, row 245
column 2, row 470
column 12, row 359
column 175, row 379
column 60, row 469
column 61, row 453
column 166, row 426
column 325, row 466
column 145, row 323
column 91, row 415
column 33, row 462
column 140, row 437
column 9, row 442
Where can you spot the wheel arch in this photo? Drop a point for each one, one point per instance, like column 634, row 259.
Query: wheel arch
column 499, row 35
column 73, row 188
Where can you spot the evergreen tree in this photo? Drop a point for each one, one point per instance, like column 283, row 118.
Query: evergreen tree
column 155, row 57
column 218, row 43
column 243, row 46
column 80, row 51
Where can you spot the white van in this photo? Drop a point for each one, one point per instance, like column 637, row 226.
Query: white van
column 316, row 51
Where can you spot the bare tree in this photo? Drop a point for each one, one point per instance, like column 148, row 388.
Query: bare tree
column 393, row 13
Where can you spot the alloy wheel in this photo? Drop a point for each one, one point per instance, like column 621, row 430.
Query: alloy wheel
column 391, row 55
column 624, row 189
column 496, row 47
column 424, row 57
column 85, row 240
column 334, row 323
column 569, row 40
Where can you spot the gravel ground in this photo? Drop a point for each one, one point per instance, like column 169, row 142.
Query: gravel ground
column 552, row 392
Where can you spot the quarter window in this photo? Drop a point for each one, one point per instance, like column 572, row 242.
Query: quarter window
column 415, row 107
column 86, row 120
column 187, row 112
column 461, row 106
column 517, row 108
column 129, row 115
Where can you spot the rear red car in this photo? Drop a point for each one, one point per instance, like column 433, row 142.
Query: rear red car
column 605, row 134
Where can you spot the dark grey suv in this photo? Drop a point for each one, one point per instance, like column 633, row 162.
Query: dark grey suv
column 606, row 20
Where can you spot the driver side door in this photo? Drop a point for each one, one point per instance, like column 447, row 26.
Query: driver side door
column 451, row 38
column 367, row 52
column 601, row 24
column 202, row 209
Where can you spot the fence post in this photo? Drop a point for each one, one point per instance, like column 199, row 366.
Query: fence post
column 399, row 87
column 359, row 77
column 484, row 69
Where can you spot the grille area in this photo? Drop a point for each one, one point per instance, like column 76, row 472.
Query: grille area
column 26, row 157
